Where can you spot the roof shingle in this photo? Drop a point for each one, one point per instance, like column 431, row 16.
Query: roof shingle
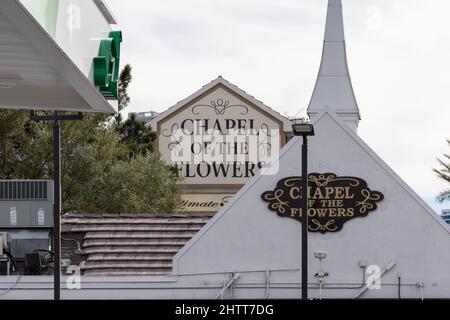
column 129, row 244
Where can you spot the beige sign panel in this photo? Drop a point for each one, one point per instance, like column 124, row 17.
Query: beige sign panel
column 204, row 202
column 221, row 135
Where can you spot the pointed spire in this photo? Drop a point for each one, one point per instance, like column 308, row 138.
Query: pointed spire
column 333, row 87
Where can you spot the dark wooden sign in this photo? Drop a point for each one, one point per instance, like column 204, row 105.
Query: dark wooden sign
column 332, row 200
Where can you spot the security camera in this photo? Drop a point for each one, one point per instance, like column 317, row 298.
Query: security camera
column 320, row 255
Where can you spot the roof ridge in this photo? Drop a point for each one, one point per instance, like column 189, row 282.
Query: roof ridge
column 237, row 90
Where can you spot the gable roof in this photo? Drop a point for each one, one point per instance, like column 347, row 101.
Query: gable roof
column 383, row 165
column 287, row 125
column 290, row 147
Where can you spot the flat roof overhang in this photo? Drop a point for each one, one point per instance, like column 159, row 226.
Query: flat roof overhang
column 35, row 73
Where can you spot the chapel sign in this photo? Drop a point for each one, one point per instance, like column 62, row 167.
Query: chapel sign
column 199, row 203
column 220, row 139
column 332, row 200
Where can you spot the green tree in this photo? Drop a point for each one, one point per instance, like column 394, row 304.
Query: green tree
column 124, row 99
column 145, row 184
column 89, row 148
column 136, row 136
column 125, row 79
column 9, row 139
column 444, row 174
column 25, row 147
column 104, row 169
column 133, row 133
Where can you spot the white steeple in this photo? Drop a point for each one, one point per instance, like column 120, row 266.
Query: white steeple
column 333, row 88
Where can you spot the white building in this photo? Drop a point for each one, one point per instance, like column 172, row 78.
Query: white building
column 402, row 237
column 380, row 238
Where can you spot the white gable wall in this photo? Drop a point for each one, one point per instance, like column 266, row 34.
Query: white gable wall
column 247, row 236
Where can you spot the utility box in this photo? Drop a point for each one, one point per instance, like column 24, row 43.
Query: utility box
column 26, row 204
column 26, row 214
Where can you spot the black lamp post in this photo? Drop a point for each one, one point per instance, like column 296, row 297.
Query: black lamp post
column 302, row 128
column 56, row 243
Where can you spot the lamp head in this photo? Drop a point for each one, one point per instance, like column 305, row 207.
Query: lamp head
column 301, row 127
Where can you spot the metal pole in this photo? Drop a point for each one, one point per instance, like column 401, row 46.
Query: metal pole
column 56, row 118
column 57, row 206
column 305, row 218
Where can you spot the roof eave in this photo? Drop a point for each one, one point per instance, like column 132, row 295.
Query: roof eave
column 52, row 52
column 287, row 126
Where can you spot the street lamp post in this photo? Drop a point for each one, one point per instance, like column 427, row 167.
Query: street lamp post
column 304, row 129
column 56, row 243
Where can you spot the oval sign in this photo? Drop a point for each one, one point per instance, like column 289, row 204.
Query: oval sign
column 332, row 200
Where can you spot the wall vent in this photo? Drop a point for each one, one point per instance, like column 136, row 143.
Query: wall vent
column 23, row 190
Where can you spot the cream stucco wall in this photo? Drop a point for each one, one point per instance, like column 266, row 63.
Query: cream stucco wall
column 240, row 112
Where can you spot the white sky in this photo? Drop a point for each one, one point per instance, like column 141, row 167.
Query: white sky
column 398, row 53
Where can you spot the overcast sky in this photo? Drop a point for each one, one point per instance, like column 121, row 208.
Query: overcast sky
column 398, row 52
